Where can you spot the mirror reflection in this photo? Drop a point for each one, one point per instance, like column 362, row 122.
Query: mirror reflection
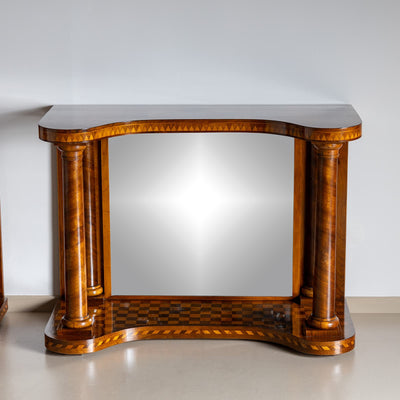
column 201, row 214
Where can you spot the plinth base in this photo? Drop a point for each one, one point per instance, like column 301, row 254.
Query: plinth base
column 121, row 319
column 3, row 307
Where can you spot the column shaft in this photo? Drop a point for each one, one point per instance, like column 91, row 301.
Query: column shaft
column 323, row 312
column 76, row 315
column 311, row 222
column 92, row 218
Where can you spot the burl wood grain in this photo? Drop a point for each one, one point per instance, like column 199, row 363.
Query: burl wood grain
column 341, row 209
column 92, row 218
column 105, row 217
column 324, row 314
column 76, row 315
column 310, row 193
column 314, row 320
column 311, row 218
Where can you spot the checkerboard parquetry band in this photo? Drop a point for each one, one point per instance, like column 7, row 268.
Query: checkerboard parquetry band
column 117, row 315
column 199, row 313
column 119, row 321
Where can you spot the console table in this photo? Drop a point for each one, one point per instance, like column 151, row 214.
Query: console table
column 313, row 320
column 3, row 299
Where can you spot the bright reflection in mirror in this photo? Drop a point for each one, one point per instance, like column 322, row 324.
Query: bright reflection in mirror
column 201, row 214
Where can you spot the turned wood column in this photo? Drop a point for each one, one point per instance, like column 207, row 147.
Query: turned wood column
column 92, row 218
column 311, row 220
column 76, row 315
column 323, row 311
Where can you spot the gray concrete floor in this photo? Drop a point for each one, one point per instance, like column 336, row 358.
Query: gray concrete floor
column 199, row 369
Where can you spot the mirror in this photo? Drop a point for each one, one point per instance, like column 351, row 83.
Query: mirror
column 201, row 214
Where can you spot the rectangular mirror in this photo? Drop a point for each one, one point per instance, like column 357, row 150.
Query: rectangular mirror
column 201, row 214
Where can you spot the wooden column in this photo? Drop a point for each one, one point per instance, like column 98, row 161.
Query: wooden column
column 76, row 315
column 311, row 220
column 323, row 312
column 92, row 218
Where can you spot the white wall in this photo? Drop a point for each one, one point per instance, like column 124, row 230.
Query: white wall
column 214, row 51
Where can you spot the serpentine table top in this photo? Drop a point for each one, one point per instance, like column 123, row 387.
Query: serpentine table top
column 74, row 123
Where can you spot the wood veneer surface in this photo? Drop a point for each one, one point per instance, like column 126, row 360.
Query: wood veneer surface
column 128, row 318
column 311, row 122
column 101, row 321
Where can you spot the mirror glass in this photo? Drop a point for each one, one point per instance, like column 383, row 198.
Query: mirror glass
column 201, row 214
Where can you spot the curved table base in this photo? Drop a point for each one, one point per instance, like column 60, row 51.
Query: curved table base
column 135, row 318
column 3, row 307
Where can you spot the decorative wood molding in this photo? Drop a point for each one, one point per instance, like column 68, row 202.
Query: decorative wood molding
column 326, row 123
column 272, row 127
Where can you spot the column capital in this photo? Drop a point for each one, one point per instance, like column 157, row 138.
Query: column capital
column 71, row 150
column 327, row 149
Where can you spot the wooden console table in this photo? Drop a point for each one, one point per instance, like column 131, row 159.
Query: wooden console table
column 313, row 320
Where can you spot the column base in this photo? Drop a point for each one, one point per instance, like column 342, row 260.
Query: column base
column 77, row 323
column 307, row 291
column 94, row 290
column 322, row 323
